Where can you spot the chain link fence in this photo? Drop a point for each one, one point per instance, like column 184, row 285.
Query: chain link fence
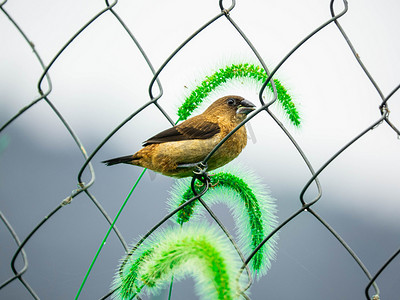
column 73, row 235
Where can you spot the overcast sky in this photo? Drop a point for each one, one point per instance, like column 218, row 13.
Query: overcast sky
column 101, row 78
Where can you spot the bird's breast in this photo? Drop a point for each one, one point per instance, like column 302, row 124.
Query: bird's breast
column 230, row 149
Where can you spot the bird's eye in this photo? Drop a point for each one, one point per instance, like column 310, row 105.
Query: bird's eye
column 230, row 101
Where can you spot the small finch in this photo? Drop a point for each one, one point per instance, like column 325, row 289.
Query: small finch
column 176, row 151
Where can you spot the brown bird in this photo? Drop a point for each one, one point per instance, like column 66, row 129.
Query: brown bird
column 176, row 151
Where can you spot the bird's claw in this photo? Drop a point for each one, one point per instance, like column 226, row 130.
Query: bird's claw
column 212, row 185
column 199, row 185
column 215, row 184
column 200, row 172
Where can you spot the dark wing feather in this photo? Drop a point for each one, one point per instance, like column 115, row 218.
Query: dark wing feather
column 193, row 128
column 168, row 135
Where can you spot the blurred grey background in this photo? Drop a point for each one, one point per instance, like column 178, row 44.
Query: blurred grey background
column 101, row 78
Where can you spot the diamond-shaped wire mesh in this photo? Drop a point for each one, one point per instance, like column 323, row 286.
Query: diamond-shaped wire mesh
column 100, row 89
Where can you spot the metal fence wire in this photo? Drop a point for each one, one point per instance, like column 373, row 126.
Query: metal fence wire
column 226, row 13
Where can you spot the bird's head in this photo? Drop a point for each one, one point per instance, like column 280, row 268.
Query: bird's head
column 234, row 107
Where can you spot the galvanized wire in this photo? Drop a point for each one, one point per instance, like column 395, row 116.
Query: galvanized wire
column 225, row 12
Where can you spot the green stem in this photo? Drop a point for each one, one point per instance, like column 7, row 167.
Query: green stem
column 107, row 234
column 170, row 288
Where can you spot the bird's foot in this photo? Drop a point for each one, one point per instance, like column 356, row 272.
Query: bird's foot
column 212, row 185
column 200, row 173
column 198, row 184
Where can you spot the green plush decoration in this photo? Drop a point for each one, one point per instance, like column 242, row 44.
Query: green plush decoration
column 197, row 250
column 234, row 71
column 252, row 207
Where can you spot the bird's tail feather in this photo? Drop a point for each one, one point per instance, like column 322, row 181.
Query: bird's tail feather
column 119, row 160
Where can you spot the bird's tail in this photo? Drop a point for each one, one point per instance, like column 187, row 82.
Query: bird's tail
column 119, row 160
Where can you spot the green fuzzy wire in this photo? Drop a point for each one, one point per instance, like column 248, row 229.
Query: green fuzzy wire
column 234, row 71
column 259, row 221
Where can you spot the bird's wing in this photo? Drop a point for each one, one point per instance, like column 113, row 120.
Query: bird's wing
column 194, row 128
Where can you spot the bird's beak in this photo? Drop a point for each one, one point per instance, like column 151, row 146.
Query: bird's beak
column 245, row 107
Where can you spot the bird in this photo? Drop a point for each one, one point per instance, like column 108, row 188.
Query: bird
column 176, row 151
